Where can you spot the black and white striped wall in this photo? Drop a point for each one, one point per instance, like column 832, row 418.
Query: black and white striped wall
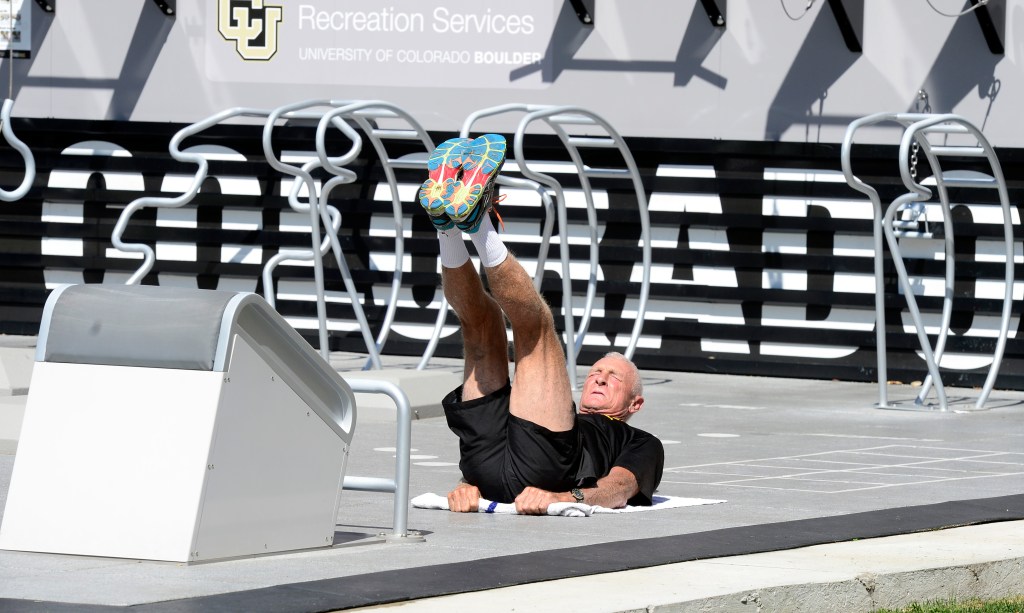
column 762, row 255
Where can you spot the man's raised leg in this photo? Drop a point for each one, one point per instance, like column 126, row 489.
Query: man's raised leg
column 485, row 343
column 485, row 369
column 540, row 389
column 541, row 392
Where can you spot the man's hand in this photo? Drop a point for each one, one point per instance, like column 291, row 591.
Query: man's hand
column 464, row 499
column 612, row 491
column 535, row 501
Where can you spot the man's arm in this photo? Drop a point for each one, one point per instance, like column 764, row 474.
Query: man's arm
column 611, row 491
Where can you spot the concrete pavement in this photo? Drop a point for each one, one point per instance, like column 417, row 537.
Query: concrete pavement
column 780, row 452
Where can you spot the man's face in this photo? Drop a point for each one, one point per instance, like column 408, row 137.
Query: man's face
column 608, row 389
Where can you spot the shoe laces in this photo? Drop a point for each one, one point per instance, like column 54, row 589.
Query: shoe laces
column 494, row 207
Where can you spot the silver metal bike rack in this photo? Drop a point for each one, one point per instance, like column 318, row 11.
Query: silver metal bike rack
column 371, row 116
column 399, row 485
column 566, row 122
column 918, row 130
column 164, row 202
column 319, row 211
column 202, row 172
column 30, row 162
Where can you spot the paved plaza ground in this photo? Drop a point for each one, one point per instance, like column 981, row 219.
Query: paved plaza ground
column 799, row 464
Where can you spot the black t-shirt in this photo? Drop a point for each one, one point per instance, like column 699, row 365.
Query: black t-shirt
column 611, row 442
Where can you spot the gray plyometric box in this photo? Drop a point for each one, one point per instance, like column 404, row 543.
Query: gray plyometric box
column 176, row 424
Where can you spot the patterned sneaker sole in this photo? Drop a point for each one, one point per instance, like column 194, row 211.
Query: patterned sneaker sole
column 443, row 167
column 480, row 167
column 447, row 158
column 471, row 223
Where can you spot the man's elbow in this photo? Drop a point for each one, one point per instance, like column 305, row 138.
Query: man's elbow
column 620, row 502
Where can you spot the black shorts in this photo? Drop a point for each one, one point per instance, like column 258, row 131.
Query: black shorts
column 502, row 454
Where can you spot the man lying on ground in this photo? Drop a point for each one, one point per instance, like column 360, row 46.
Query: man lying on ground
column 523, row 440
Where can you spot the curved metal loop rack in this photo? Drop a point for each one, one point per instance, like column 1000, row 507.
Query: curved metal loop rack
column 383, row 124
column 319, row 211
column 202, row 171
column 328, row 113
column 302, row 177
column 30, row 162
column 922, row 129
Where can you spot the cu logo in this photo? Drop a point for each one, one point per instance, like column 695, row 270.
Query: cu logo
column 252, row 25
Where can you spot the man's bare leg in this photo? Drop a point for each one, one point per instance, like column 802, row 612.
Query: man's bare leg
column 541, row 392
column 485, row 343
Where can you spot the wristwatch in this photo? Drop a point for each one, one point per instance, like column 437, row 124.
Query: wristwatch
column 577, row 493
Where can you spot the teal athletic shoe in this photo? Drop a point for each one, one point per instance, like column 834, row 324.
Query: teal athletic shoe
column 482, row 160
column 443, row 168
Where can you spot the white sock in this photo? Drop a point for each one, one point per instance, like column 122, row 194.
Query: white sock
column 453, row 248
column 488, row 244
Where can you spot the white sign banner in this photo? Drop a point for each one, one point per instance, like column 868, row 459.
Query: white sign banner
column 16, row 27
column 452, row 43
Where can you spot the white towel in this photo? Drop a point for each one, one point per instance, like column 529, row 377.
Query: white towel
column 564, row 509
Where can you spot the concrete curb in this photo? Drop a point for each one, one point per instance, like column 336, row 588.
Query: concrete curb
column 984, row 561
column 869, row 592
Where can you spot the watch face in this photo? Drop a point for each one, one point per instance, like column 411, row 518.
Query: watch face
column 577, row 494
